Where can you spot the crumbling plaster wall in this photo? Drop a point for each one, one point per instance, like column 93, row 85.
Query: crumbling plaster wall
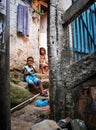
column 22, row 47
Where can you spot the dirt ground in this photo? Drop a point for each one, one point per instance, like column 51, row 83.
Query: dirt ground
column 24, row 118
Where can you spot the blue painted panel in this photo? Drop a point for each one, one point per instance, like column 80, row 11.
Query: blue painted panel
column 84, row 33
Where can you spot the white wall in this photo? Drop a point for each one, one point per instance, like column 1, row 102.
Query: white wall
column 22, row 47
column 43, row 32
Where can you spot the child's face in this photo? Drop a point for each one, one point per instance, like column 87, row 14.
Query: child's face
column 30, row 61
column 42, row 51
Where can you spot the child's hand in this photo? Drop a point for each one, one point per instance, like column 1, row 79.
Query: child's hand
column 31, row 72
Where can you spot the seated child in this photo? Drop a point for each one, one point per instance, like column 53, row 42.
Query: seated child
column 31, row 78
column 43, row 62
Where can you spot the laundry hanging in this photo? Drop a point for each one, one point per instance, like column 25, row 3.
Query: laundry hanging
column 22, row 19
column 3, row 7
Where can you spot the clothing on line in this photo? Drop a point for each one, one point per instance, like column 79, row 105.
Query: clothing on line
column 22, row 19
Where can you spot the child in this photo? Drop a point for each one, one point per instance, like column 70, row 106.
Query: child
column 30, row 77
column 43, row 62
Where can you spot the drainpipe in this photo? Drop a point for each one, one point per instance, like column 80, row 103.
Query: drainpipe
column 4, row 75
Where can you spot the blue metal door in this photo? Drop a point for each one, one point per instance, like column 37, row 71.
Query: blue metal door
column 84, row 33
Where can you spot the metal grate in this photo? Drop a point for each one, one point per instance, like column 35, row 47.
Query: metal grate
column 84, row 33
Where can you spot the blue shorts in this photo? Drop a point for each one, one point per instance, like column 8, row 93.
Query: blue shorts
column 32, row 79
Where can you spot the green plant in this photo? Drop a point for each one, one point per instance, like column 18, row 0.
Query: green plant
column 41, row 13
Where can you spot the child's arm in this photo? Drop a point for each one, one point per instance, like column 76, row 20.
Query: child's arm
column 34, row 69
column 25, row 72
column 46, row 60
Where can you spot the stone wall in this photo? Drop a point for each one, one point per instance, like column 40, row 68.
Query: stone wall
column 80, row 86
column 84, row 97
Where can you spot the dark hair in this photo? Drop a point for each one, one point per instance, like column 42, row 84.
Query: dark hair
column 30, row 57
column 42, row 48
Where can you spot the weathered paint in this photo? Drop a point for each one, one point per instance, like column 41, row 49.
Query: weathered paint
column 21, row 47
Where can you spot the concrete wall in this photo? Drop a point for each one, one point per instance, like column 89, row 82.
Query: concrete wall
column 66, row 4
column 80, row 82
column 85, row 102
column 22, row 47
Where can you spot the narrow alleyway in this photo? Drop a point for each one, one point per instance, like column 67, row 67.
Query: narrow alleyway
column 71, row 58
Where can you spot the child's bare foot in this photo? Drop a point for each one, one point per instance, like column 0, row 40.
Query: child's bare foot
column 44, row 94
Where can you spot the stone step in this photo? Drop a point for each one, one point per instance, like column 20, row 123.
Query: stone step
column 17, row 77
column 42, row 76
column 20, row 76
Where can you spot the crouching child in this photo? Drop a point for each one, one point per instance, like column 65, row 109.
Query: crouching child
column 31, row 78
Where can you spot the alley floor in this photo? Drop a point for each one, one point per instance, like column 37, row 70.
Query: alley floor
column 29, row 115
